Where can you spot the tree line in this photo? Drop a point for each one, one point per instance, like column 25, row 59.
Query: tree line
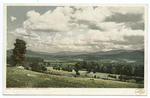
column 127, row 69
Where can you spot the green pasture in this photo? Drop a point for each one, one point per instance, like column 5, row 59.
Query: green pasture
column 19, row 78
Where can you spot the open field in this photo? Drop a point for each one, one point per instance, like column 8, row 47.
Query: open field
column 20, row 78
column 82, row 73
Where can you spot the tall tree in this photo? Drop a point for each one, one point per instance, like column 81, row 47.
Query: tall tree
column 77, row 68
column 129, row 70
column 19, row 50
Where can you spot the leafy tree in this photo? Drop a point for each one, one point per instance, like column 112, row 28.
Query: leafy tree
column 44, row 63
column 36, row 67
column 113, row 70
column 129, row 70
column 89, row 67
column 18, row 56
column 118, row 68
column 84, row 65
column 122, row 69
column 48, row 63
column 109, row 66
column 100, row 68
column 77, row 68
column 105, row 69
column 95, row 69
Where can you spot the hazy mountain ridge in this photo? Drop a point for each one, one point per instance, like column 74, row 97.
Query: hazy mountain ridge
column 69, row 53
column 110, row 52
column 38, row 53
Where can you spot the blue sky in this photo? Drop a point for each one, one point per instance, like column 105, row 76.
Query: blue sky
column 76, row 28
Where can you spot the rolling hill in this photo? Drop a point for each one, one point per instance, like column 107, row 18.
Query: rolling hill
column 137, row 55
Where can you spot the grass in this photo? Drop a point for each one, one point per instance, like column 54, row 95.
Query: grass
column 82, row 73
column 17, row 78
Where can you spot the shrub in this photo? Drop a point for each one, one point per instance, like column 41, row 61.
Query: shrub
column 124, row 77
column 111, row 76
column 44, row 68
column 35, row 67
column 139, row 79
column 65, row 68
column 69, row 69
column 77, row 73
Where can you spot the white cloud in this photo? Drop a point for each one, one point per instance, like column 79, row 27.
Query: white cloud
column 56, row 20
column 12, row 18
column 70, row 33
column 92, row 33
column 106, row 26
column 88, row 13
column 66, row 41
column 128, row 9
column 66, row 18
column 25, row 34
column 60, row 19
column 93, row 40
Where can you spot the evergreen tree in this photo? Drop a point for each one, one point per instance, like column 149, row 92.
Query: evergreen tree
column 18, row 56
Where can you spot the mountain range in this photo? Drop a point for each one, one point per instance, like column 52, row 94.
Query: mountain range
column 69, row 53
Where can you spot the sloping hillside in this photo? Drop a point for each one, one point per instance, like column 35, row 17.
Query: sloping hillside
column 25, row 78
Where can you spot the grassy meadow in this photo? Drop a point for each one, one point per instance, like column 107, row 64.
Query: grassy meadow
column 18, row 78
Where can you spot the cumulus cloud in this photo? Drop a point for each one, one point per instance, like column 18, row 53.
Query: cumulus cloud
column 12, row 18
column 69, row 33
column 128, row 9
column 80, row 17
column 25, row 34
column 88, row 13
column 56, row 20
column 84, row 28
column 95, row 40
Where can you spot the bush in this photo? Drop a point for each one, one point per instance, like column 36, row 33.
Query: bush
column 111, row 76
column 139, row 79
column 35, row 67
column 77, row 73
column 65, row 68
column 124, row 77
column 69, row 69
column 44, row 68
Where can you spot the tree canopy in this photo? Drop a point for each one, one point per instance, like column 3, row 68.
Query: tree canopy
column 19, row 50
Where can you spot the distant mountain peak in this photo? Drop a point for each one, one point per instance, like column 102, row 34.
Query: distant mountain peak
column 69, row 53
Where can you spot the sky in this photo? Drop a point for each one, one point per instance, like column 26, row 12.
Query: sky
column 76, row 28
